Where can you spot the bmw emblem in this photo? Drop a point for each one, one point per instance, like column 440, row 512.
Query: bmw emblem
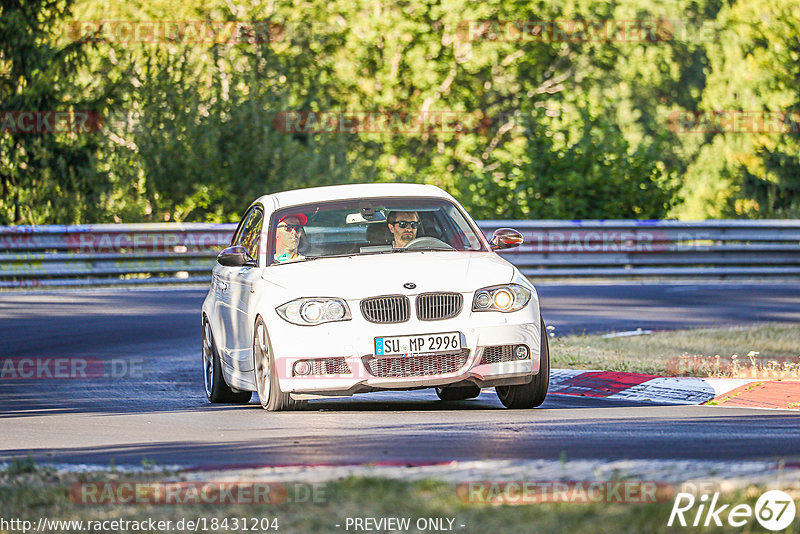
column 409, row 285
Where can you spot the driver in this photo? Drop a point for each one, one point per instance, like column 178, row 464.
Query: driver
column 403, row 226
column 287, row 237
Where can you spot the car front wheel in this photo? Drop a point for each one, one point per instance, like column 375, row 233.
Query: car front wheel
column 269, row 392
column 534, row 392
column 217, row 391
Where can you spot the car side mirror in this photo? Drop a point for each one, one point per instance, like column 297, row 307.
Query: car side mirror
column 236, row 257
column 505, row 238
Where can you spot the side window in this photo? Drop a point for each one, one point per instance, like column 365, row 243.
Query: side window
column 237, row 237
column 250, row 232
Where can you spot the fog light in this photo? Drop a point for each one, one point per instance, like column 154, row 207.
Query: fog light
column 302, row 367
column 521, row 352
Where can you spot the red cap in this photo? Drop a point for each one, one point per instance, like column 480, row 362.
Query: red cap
column 302, row 218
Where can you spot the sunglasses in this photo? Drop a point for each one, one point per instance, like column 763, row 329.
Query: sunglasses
column 290, row 227
column 405, row 224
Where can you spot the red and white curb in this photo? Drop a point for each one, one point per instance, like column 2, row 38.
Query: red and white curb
column 745, row 392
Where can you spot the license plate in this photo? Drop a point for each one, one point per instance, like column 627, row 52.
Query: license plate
column 422, row 344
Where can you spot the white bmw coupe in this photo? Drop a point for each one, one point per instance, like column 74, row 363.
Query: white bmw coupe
column 332, row 291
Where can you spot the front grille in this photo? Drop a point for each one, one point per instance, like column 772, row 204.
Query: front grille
column 388, row 309
column 329, row 366
column 501, row 353
column 405, row 366
column 436, row 306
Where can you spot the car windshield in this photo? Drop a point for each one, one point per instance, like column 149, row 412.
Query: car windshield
column 369, row 226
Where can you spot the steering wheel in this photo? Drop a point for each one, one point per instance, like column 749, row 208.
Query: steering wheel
column 427, row 242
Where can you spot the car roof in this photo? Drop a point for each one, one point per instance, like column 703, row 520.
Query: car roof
column 341, row 192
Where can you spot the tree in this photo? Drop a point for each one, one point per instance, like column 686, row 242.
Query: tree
column 46, row 177
column 750, row 168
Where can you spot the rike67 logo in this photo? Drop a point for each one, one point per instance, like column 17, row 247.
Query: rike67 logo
column 774, row 510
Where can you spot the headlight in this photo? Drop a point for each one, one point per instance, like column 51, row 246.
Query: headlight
column 316, row 310
column 504, row 298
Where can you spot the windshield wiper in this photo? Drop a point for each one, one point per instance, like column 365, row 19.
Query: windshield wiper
column 426, row 249
column 371, row 252
column 329, row 256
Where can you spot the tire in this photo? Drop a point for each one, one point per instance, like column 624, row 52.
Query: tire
column 449, row 393
column 533, row 393
column 269, row 392
column 217, row 390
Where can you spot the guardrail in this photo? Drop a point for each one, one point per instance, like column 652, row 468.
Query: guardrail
column 707, row 249
column 113, row 254
column 116, row 254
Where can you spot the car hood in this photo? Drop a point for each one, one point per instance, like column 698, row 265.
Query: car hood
column 356, row 277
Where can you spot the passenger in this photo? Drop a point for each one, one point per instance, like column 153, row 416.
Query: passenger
column 287, row 237
column 403, row 226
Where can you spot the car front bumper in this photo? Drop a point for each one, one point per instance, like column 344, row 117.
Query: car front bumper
column 353, row 343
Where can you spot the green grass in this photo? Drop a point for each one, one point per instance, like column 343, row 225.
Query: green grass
column 764, row 351
column 45, row 493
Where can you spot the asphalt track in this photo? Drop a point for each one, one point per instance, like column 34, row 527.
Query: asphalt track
column 155, row 409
